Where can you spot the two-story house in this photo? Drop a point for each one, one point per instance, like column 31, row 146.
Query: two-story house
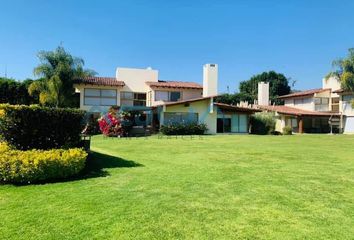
column 157, row 102
column 324, row 110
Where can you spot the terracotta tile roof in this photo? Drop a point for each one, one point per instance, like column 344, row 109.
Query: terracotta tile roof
column 296, row 111
column 342, row 91
column 101, row 81
column 305, row 93
column 236, row 108
column 175, row 84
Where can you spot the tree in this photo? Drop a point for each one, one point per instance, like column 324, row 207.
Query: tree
column 16, row 92
column 58, row 69
column 344, row 71
column 278, row 85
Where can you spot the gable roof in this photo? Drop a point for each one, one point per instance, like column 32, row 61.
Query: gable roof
column 296, row 111
column 174, row 84
column 100, row 81
column 304, row 93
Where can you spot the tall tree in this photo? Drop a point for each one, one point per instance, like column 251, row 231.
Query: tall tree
column 58, row 69
column 278, row 85
column 344, row 71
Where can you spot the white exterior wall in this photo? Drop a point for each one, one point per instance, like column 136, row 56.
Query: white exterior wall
column 263, row 93
column 349, row 124
column 332, row 83
column 210, row 80
column 202, row 108
column 135, row 79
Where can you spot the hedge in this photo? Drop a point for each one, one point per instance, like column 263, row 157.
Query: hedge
column 263, row 123
column 34, row 127
column 184, row 129
column 17, row 166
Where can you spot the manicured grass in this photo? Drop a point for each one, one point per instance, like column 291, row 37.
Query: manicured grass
column 228, row 187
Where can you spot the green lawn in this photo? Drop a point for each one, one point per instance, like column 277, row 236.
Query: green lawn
column 217, row 187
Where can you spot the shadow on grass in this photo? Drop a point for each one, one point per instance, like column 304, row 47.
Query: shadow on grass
column 97, row 163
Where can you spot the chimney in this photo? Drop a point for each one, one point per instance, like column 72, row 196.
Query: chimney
column 210, row 80
column 263, row 93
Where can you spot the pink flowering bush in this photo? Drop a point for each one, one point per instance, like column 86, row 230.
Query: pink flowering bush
column 111, row 123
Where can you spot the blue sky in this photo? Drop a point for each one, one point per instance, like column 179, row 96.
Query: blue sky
column 297, row 38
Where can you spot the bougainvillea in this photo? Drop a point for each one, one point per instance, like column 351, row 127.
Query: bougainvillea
column 111, row 123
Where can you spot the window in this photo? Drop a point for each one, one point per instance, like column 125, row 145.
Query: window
column 167, row 96
column 175, row 96
column 348, row 98
column 100, row 97
column 179, row 117
column 321, row 100
column 133, row 99
column 298, row 101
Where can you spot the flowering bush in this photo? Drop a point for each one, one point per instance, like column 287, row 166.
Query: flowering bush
column 17, row 166
column 111, row 124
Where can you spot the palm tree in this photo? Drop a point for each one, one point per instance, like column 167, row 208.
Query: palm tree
column 344, row 71
column 58, row 69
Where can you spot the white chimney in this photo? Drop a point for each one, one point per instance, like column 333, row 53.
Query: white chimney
column 263, row 93
column 210, row 80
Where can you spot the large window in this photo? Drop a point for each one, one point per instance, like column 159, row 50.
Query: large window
column 167, row 96
column 321, row 104
column 133, row 99
column 180, row 117
column 100, row 97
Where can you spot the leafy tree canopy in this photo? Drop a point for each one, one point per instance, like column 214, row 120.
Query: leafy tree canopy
column 344, row 70
column 58, row 69
column 278, row 85
column 15, row 92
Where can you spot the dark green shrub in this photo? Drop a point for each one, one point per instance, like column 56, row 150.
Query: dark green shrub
column 35, row 127
column 17, row 166
column 263, row 123
column 184, row 129
column 287, row 130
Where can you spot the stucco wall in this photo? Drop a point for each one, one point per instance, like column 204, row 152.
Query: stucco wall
column 349, row 125
column 201, row 107
column 135, row 79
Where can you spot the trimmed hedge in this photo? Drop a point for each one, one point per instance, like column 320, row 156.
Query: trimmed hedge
column 263, row 123
column 30, row 166
column 184, row 129
column 34, row 127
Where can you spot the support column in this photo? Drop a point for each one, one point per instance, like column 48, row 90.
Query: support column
column 301, row 124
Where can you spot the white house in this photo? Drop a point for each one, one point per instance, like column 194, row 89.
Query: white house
column 322, row 110
column 157, row 102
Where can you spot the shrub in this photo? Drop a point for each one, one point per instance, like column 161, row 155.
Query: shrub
column 263, row 123
column 35, row 127
column 184, row 129
column 287, row 130
column 17, row 166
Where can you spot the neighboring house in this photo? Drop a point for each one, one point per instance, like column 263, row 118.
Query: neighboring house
column 156, row 102
column 322, row 110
